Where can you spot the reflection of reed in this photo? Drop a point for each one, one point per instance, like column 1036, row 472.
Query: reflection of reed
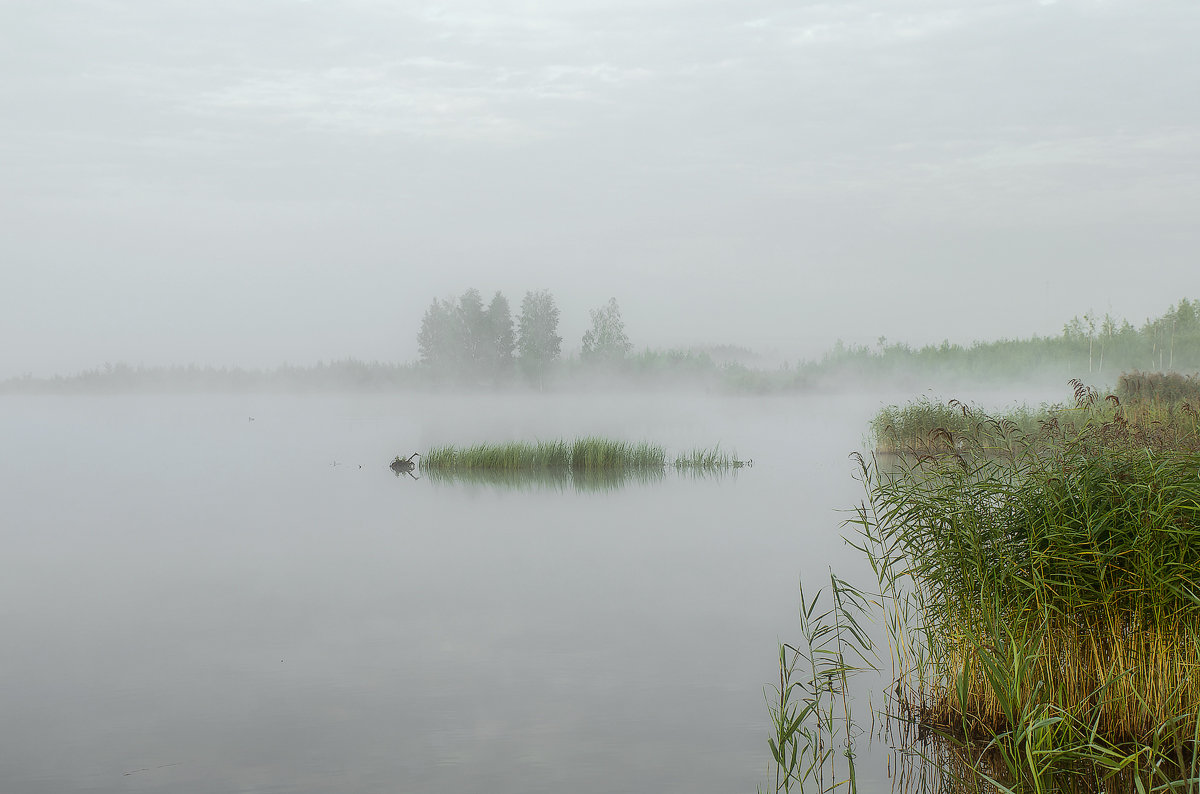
column 727, row 473
column 586, row 481
column 936, row 764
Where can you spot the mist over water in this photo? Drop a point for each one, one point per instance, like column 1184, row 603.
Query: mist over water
column 196, row 600
column 690, row 224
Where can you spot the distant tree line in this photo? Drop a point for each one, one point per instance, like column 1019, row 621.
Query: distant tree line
column 328, row 377
column 1091, row 346
column 462, row 341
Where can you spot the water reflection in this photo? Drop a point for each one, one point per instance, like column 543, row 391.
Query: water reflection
column 276, row 623
column 900, row 754
column 404, row 465
column 595, row 481
column 936, row 764
column 923, row 762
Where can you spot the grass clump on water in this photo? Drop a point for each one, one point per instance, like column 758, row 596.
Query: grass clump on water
column 583, row 455
column 597, row 454
column 709, row 459
column 512, row 456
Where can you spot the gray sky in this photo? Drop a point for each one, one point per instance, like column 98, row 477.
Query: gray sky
column 231, row 182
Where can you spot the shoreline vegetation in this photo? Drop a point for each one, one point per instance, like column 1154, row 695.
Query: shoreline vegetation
column 1159, row 401
column 1038, row 581
column 464, row 346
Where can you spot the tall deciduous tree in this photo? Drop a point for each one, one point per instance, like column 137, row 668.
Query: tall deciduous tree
column 438, row 339
column 473, row 333
column 606, row 342
column 501, row 341
column 538, row 341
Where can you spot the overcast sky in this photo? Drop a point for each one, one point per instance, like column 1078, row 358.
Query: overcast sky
column 248, row 183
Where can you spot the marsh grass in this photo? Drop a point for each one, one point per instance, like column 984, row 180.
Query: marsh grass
column 1040, row 592
column 927, row 427
column 584, row 455
column 1087, row 562
column 512, row 456
column 1158, row 387
column 1158, row 411
column 1050, row 592
column 815, row 732
column 598, row 454
column 710, row 458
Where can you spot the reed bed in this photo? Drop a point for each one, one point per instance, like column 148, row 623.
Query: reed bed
column 927, row 427
column 1040, row 590
column 710, row 459
column 1078, row 577
column 511, row 456
column 1059, row 585
column 1158, row 387
column 598, row 454
column 590, row 454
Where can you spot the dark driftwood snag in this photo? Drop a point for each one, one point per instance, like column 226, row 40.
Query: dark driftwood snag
column 404, row 465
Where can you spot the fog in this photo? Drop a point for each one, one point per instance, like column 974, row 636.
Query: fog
column 199, row 602
column 248, row 184
column 233, row 229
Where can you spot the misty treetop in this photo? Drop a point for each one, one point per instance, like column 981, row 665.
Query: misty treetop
column 501, row 335
column 606, row 342
column 462, row 340
column 537, row 334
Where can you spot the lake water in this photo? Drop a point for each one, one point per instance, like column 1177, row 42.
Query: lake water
column 194, row 601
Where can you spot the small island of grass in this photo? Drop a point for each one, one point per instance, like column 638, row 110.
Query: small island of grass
column 590, row 454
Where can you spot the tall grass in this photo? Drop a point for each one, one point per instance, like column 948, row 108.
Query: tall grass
column 927, row 427
column 1051, row 595
column 597, row 454
column 1158, row 387
column 1044, row 604
column 511, row 456
column 1091, row 561
column 710, row 458
column 815, row 731
column 590, row 454
column 1147, row 405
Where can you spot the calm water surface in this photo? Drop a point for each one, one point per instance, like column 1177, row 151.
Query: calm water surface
column 195, row 602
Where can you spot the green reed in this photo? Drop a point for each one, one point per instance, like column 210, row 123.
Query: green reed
column 1161, row 409
column 590, row 454
column 1053, row 591
column 710, row 458
column 814, row 729
column 928, row 427
column 510, row 456
column 1158, row 387
column 1090, row 559
column 1040, row 592
column 594, row 453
